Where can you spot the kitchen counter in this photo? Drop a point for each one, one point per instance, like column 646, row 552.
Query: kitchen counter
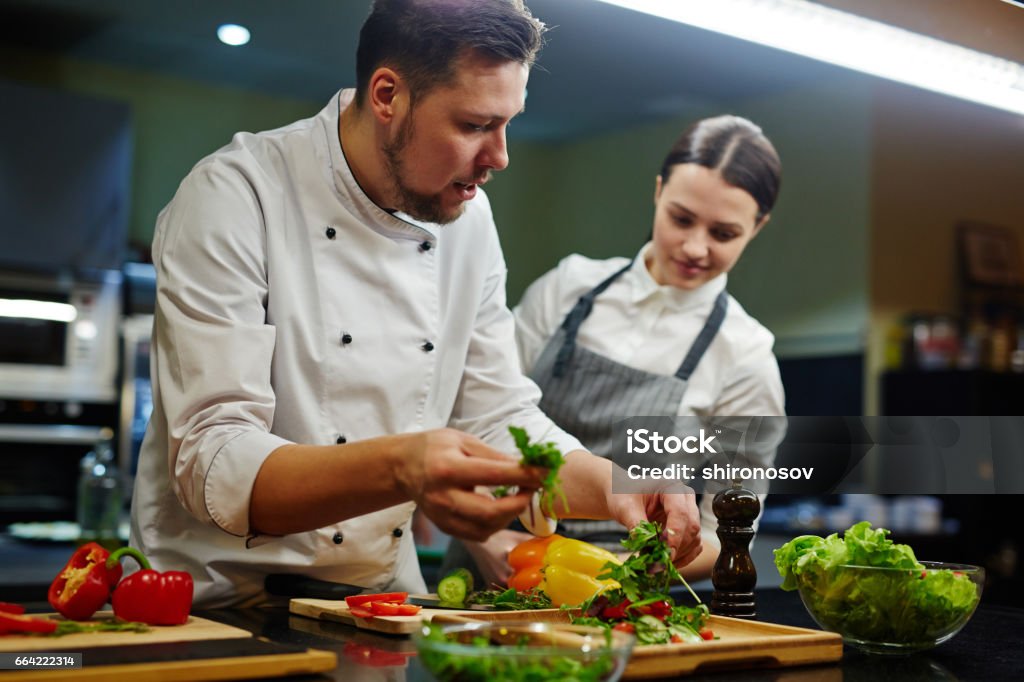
column 988, row 648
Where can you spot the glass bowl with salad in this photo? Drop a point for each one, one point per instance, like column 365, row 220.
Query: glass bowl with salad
column 875, row 593
column 489, row 651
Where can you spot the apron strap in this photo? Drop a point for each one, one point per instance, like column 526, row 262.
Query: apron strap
column 571, row 324
column 703, row 340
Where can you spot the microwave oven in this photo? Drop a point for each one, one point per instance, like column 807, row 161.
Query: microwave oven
column 59, row 337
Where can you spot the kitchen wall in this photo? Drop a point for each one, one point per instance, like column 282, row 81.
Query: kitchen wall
column 937, row 161
column 177, row 122
column 875, row 176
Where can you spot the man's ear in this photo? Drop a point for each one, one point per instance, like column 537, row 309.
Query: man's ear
column 757, row 228
column 385, row 94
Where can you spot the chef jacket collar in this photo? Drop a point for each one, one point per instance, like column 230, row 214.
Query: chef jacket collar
column 396, row 225
column 646, row 288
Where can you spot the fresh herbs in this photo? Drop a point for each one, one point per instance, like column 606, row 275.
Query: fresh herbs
column 511, row 600
column 546, row 456
column 69, row 627
column 642, row 604
column 649, row 568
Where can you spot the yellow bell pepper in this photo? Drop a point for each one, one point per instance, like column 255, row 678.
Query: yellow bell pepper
column 570, row 571
column 579, row 556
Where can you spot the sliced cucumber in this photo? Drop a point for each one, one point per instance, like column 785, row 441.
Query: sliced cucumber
column 455, row 587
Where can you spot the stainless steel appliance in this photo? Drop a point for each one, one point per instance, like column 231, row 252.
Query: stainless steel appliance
column 58, row 386
column 58, row 337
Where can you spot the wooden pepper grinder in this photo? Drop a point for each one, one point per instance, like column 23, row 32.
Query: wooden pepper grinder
column 734, row 575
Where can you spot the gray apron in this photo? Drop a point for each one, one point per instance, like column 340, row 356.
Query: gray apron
column 585, row 393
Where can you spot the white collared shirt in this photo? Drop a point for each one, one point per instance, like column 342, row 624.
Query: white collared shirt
column 292, row 309
column 648, row 326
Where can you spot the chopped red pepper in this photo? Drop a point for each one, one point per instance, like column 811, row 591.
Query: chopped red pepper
column 383, row 608
column 16, row 622
column 150, row 597
column 625, row 626
column 707, row 634
column 84, row 584
column 363, row 599
column 361, row 611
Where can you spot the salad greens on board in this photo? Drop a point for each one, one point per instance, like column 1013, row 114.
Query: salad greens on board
column 904, row 605
column 642, row 604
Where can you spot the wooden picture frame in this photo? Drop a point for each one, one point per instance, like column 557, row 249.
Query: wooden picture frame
column 990, row 255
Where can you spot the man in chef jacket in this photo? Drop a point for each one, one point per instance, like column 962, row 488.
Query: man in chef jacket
column 331, row 346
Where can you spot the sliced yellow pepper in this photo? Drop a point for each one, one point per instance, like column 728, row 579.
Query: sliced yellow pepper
column 566, row 586
column 579, row 556
column 570, row 571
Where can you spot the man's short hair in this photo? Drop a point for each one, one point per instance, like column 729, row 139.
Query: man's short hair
column 423, row 39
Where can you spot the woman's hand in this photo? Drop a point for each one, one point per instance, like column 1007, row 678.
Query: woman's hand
column 676, row 511
column 491, row 555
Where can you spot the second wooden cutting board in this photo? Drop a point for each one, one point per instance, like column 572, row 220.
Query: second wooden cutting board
column 195, row 629
column 337, row 611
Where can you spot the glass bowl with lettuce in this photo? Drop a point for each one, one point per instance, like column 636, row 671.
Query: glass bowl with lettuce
column 490, row 651
column 875, row 593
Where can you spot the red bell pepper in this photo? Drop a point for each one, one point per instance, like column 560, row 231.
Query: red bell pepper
column 363, row 599
column 85, row 583
column 148, row 596
column 16, row 622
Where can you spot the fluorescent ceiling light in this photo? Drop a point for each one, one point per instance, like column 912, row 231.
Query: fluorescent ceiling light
column 847, row 40
column 37, row 310
column 233, row 34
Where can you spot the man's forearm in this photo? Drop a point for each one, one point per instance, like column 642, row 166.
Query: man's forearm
column 304, row 487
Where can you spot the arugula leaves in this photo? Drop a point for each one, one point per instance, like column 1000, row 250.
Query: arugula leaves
column 510, row 600
column 648, row 571
column 546, row 456
column 642, row 601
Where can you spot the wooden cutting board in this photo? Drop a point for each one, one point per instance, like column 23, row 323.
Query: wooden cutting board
column 200, row 649
column 740, row 644
column 337, row 611
column 195, row 629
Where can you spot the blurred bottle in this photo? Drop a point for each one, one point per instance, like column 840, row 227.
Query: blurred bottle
column 100, row 496
column 895, row 345
column 975, row 345
column 1017, row 354
column 1000, row 345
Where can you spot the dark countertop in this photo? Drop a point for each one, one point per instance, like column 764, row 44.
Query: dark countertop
column 988, row 648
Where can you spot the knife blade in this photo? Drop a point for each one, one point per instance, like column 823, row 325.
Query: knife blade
column 432, row 602
column 293, row 585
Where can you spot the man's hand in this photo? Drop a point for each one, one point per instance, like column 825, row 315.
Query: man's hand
column 440, row 471
column 675, row 511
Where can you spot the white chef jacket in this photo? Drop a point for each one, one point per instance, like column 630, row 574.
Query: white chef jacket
column 291, row 308
column 647, row 326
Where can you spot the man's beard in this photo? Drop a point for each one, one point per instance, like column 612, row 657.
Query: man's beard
column 425, row 207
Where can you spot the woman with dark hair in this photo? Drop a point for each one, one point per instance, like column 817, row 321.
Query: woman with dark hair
column 658, row 335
